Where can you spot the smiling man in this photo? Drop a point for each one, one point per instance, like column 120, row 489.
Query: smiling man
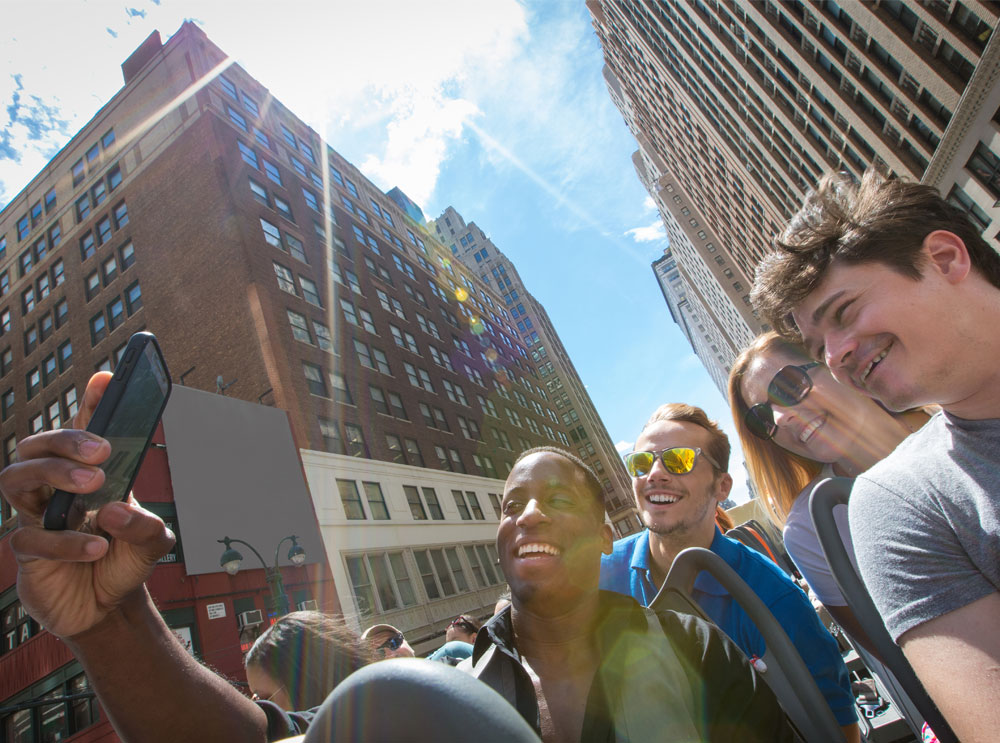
column 899, row 294
column 583, row 664
column 679, row 476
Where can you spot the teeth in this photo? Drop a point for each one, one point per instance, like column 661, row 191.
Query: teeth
column 547, row 549
column 872, row 363
column 810, row 429
column 663, row 499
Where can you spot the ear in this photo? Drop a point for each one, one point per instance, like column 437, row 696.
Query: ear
column 607, row 538
column 723, row 484
column 947, row 254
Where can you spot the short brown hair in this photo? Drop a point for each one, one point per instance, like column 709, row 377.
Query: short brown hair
column 880, row 219
column 718, row 447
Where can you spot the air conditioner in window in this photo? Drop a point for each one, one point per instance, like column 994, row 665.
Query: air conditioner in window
column 251, row 618
column 309, row 605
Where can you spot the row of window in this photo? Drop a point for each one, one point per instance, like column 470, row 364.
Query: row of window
column 111, row 266
column 382, row 581
column 106, row 225
column 43, row 375
column 112, row 317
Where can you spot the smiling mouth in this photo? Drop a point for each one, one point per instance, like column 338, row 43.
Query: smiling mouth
column 537, row 549
column 809, row 430
column 873, row 363
column 662, row 499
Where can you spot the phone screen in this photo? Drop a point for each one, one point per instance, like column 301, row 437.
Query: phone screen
column 130, row 426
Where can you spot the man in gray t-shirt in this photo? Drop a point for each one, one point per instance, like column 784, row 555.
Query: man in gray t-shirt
column 934, row 519
column 899, row 294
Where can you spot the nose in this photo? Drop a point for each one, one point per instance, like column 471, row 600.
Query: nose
column 783, row 417
column 838, row 349
column 532, row 514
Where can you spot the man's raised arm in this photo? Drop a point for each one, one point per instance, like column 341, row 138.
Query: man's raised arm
column 88, row 590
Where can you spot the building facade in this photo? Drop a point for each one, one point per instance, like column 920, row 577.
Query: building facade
column 276, row 276
column 589, row 437
column 739, row 107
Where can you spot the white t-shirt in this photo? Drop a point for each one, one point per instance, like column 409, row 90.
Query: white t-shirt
column 802, row 544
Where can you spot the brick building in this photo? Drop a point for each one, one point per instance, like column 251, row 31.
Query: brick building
column 196, row 206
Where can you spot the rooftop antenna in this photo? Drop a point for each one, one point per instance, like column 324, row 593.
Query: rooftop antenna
column 221, row 386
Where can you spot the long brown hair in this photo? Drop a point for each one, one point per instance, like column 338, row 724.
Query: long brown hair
column 777, row 474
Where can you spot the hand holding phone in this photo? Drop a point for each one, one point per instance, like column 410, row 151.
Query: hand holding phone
column 126, row 417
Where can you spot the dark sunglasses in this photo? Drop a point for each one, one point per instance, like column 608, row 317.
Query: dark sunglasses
column 393, row 643
column 463, row 623
column 788, row 388
column 678, row 461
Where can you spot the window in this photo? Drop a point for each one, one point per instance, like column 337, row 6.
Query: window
column 259, row 192
column 495, row 502
column 310, row 198
column 351, row 499
column 78, row 172
column 127, row 253
column 30, row 340
column 98, row 193
column 300, row 329
column 98, row 329
column 121, row 215
column 349, row 313
column 28, row 300
column 69, row 402
column 376, row 501
column 309, row 291
column 33, row 382
column 7, row 403
column 282, row 206
column 412, row 498
column 26, row 262
column 58, row 273
column 4, row 321
column 323, row 338
column 6, row 361
column 262, row 138
column 109, row 269
column 463, row 508
column 314, row 379
column 248, row 155
column 92, row 285
column 366, row 321
column 285, row 280
column 48, row 370
column 62, row 312
column 482, row 566
column 272, row 235
column 331, row 436
column 271, row 170
column 228, row 87
column 114, row 178
column 356, row 446
column 250, row 105
column 340, row 391
column 116, row 313
column 65, row 355
column 295, row 248
column 289, row 137
column 237, row 118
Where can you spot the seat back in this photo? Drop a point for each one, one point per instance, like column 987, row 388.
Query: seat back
column 784, row 670
column 825, row 496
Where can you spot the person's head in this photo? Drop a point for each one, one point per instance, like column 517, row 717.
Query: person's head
column 874, row 278
column 298, row 661
column 552, row 530
column 464, row 627
column 503, row 601
column 679, row 473
column 386, row 641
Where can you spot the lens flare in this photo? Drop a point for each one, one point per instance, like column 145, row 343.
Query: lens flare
column 476, row 326
column 461, row 295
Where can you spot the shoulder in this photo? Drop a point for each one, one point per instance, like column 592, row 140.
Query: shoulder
column 623, row 550
column 767, row 579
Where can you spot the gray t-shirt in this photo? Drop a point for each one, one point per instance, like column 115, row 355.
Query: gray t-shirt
column 926, row 522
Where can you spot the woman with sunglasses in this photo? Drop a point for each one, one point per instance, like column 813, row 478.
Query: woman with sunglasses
column 797, row 426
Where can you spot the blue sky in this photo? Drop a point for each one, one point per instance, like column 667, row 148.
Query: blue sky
column 495, row 107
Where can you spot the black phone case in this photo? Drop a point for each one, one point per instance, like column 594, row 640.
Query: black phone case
column 58, row 509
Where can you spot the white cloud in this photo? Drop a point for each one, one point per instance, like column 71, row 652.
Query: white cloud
column 624, row 447
column 649, row 233
column 649, row 204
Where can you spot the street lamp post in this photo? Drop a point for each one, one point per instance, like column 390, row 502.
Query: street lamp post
column 231, row 561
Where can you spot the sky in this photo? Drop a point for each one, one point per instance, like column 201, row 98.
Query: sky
column 495, row 107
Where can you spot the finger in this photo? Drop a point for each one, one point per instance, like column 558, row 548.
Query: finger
column 27, row 486
column 144, row 531
column 69, row 443
column 91, row 396
column 31, row 543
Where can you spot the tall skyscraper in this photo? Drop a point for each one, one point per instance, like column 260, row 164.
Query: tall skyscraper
column 739, row 107
column 288, row 293
column 566, row 390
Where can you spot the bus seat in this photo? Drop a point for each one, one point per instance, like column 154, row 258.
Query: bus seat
column 786, row 673
column 914, row 700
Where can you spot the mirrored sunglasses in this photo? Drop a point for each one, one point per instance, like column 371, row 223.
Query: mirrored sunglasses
column 678, row 460
column 393, row 643
column 788, row 388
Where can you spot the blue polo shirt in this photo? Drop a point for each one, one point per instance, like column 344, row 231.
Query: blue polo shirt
column 627, row 570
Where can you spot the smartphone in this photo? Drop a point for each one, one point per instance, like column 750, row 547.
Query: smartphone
column 127, row 416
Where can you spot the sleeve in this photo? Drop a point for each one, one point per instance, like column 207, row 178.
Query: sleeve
column 802, row 545
column 911, row 560
column 819, row 651
column 282, row 724
column 736, row 703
